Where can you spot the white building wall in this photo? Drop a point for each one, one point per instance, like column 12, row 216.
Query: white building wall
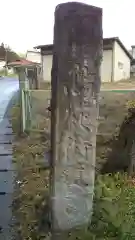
column 47, row 66
column 2, row 64
column 106, row 66
column 34, row 56
column 121, row 63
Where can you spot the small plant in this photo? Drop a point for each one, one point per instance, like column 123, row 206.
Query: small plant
column 114, row 207
column 130, row 104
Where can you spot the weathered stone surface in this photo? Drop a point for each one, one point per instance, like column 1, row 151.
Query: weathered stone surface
column 75, row 89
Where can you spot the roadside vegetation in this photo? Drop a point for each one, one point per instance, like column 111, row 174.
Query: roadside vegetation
column 114, row 208
column 4, row 73
column 30, row 198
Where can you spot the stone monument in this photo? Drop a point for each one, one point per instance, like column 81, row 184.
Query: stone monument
column 74, row 110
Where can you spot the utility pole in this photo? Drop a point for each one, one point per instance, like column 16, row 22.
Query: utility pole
column 75, row 83
column 5, row 46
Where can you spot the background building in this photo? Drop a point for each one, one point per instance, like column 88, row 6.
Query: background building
column 115, row 65
column 33, row 56
column 133, row 61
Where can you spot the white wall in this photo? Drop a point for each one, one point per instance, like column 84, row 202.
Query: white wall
column 121, row 63
column 106, row 66
column 47, row 66
column 34, row 56
column 2, row 64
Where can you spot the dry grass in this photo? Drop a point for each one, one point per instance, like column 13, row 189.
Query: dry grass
column 40, row 98
column 123, row 84
column 30, row 199
column 45, row 85
column 41, row 94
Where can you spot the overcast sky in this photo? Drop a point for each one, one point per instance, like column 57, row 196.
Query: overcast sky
column 27, row 23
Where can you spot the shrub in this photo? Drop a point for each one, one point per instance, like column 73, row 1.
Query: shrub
column 114, row 208
column 113, row 212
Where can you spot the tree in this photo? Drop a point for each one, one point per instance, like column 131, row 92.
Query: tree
column 6, row 54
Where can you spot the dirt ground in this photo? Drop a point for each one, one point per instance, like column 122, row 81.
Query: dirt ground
column 123, row 84
column 41, row 99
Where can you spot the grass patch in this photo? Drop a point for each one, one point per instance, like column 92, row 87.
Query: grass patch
column 8, row 74
column 45, row 85
column 30, row 197
column 39, row 100
column 12, row 75
column 30, row 200
column 122, row 84
column 113, row 213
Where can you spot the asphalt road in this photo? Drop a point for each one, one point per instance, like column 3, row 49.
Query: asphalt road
column 8, row 89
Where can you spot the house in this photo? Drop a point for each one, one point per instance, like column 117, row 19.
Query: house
column 133, row 61
column 115, row 64
column 33, row 56
column 2, row 65
column 116, row 61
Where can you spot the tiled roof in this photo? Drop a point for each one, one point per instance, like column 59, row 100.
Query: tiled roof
column 22, row 62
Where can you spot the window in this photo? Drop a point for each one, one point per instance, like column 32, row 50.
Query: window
column 120, row 65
